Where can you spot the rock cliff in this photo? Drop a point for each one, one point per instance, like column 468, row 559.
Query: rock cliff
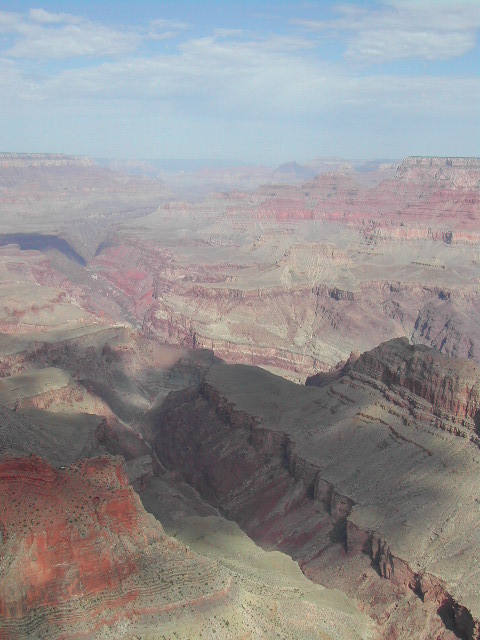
column 80, row 558
column 371, row 463
column 450, row 387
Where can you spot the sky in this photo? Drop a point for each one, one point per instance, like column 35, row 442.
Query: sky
column 258, row 82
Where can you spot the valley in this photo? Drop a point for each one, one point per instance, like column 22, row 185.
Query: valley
column 252, row 414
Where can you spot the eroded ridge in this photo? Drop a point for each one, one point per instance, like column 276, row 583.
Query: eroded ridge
column 358, row 466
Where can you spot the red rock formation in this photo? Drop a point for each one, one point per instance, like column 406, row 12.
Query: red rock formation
column 302, row 306
column 78, row 554
column 451, row 386
column 415, row 201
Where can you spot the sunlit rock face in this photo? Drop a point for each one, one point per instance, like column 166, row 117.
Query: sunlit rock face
column 79, row 555
column 379, row 462
column 80, row 558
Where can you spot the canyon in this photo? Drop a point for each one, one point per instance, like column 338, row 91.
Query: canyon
column 383, row 462
column 295, row 278
column 250, row 413
column 91, row 562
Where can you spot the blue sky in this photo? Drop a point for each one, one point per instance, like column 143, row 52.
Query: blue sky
column 254, row 81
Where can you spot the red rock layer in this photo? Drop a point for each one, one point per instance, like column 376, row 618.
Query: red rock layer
column 56, row 528
column 78, row 553
column 450, row 386
column 436, row 198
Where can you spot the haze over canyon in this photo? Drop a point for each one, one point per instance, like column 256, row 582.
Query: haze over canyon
column 239, row 402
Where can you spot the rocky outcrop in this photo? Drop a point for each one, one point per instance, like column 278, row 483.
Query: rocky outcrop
column 80, row 558
column 353, row 467
column 426, row 586
column 450, row 387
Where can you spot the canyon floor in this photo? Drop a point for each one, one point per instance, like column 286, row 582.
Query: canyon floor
column 164, row 470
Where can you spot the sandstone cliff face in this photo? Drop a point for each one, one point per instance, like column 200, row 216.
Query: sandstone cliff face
column 449, row 385
column 359, row 466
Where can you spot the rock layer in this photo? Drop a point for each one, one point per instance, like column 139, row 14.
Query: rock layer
column 318, row 271
column 357, row 463
column 79, row 555
column 286, row 277
column 80, row 558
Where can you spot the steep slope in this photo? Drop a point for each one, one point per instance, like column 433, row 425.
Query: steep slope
column 80, row 558
column 370, row 466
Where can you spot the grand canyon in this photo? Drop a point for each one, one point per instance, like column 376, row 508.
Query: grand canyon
column 239, row 402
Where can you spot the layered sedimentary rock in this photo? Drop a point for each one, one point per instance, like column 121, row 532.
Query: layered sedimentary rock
column 287, row 277
column 295, row 279
column 450, row 387
column 70, row 197
column 80, row 558
column 372, row 473
column 410, row 374
column 369, row 465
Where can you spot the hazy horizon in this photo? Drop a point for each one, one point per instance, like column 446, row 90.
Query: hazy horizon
column 219, row 162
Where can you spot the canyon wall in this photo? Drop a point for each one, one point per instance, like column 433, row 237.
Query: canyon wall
column 345, row 469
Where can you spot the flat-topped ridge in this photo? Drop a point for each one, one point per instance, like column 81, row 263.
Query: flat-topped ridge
column 19, row 160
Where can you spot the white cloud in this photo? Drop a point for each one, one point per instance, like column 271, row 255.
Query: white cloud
column 43, row 35
column 237, row 78
column 227, row 74
column 46, row 17
column 429, row 45
column 441, row 15
column 160, row 29
column 71, row 40
column 9, row 21
column 160, row 23
column 164, row 35
column 272, row 78
column 402, row 29
column 10, row 77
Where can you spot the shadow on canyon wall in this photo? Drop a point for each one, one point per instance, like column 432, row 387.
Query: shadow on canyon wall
column 39, row 242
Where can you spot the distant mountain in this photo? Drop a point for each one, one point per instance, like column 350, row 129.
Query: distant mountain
column 295, row 171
